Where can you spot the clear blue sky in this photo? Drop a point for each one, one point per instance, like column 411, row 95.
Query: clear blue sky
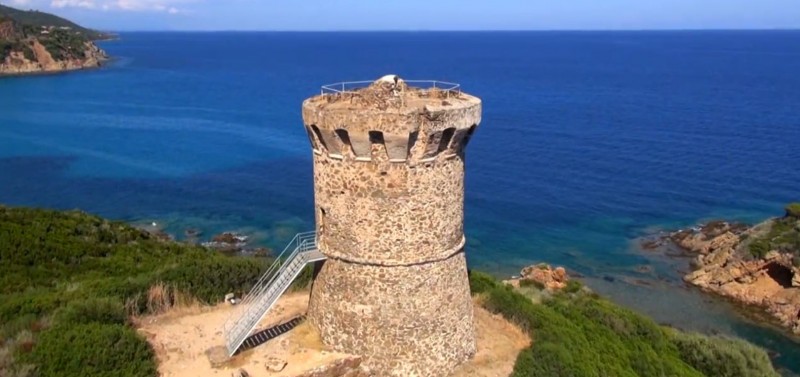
column 422, row 14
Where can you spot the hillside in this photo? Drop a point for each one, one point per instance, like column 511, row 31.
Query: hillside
column 33, row 41
column 70, row 281
column 39, row 19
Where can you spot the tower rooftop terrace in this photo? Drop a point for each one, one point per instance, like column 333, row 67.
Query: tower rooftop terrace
column 392, row 105
column 391, row 92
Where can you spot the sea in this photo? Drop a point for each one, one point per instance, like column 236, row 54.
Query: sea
column 589, row 141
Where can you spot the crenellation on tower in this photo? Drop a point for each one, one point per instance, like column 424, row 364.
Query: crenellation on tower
column 389, row 200
column 349, row 125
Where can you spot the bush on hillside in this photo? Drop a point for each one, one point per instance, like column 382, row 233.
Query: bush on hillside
column 580, row 335
column 86, row 350
column 783, row 235
column 723, row 357
column 66, row 270
column 95, row 310
column 793, row 210
column 759, row 248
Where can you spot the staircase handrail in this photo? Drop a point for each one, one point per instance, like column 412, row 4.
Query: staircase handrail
column 272, row 272
column 236, row 335
column 279, row 260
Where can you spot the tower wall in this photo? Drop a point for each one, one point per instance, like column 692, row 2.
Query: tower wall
column 389, row 193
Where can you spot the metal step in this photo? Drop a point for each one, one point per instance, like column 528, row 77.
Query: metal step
column 266, row 292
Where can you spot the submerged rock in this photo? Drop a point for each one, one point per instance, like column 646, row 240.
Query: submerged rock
column 229, row 237
column 228, row 242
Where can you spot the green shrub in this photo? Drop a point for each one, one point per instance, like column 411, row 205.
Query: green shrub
column 581, row 335
column 5, row 49
column 723, row 357
column 783, row 235
column 573, row 286
column 480, row 282
column 304, row 280
column 793, row 210
column 79, row 271
column 210, row 279
column 36, row 303
column 531, row 283
column 95, row 310
column 759, row 248
column 28, row 53
column 86, row 350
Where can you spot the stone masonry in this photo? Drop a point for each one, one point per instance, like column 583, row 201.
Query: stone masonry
column 389, row 192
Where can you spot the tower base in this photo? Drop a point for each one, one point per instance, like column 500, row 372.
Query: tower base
column 405, row 321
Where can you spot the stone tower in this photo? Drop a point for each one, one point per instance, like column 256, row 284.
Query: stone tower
column 389, row 192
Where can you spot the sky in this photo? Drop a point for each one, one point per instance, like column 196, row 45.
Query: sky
column 210, row 15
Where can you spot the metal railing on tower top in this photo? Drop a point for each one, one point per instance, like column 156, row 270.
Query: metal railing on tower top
column 354, row 86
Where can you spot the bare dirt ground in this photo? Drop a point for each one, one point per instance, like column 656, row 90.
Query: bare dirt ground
column 499, row 343
column 182, row 336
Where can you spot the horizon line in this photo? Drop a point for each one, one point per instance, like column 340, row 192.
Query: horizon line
column 440, row 30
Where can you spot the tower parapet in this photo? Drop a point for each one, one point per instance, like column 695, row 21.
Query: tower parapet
column 391, row 121
column 389, row 198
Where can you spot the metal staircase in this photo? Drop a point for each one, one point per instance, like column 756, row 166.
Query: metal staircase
column 301, row 251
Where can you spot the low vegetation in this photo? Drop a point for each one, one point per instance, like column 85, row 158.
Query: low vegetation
column 69, row 282
column 61, row 38
column 793, row 211
column 579, row 334
column 36, row 19
column 783, row 235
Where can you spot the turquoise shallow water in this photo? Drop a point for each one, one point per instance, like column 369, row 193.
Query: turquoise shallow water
column 588, row 141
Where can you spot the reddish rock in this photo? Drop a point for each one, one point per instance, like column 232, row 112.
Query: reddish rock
column 724, row 268
column 550, row 278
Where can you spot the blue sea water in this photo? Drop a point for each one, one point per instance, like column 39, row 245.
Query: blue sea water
column 588, row 140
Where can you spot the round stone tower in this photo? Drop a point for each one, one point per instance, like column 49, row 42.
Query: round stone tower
column 389, row 192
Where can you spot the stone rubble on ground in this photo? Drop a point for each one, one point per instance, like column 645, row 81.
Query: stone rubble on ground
column 274, row 364
column 240, row 373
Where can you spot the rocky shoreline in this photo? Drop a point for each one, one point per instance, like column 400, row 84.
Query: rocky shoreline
column 33, row 42
column 42, row 62
column 229, row 242
column 727, row 263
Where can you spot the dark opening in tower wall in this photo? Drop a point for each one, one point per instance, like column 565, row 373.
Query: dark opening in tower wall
column 344, row 138
column 432, row 148
column 447, row 135
column 312, row 139
column 318, row 134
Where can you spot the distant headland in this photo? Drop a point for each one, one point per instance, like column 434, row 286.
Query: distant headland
column 37, row 42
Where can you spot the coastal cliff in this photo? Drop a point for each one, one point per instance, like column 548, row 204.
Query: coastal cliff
column 36, row 42
column 757, row 266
